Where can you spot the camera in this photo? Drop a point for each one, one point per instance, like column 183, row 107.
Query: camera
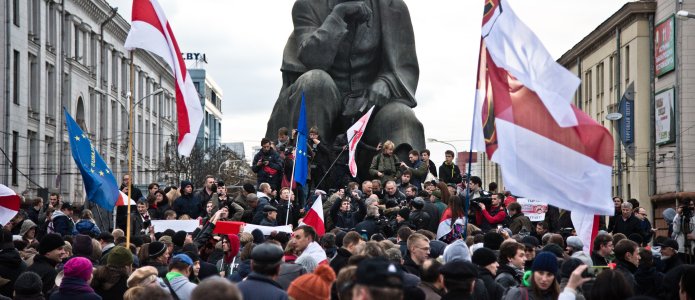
column 147, row 224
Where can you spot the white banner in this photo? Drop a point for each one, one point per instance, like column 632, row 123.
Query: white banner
column 267, row 229
column 175, row 225
column 533, row 209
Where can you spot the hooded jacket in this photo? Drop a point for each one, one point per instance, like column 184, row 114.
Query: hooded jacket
column 186, row 203
column 62, row 224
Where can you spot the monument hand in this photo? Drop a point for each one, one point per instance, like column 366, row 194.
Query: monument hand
column 379, row 92
column 357, row 11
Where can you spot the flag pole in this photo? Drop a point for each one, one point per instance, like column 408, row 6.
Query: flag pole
column 336, row 160
column 289, row 201
column 130, row 146
column 467, row 202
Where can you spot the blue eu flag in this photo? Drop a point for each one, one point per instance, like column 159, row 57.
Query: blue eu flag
column 99, row 181
column 301, row 163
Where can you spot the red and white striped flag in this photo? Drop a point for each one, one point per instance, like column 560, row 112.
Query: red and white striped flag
column 150, row 31
column 9, row 204
column 314, row 217
column 354, row 134
column 123, row 199
column 548, row 149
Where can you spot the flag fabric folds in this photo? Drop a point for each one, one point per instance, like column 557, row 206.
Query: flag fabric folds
column 354, row 134
column 123, row 199
column 150, row 30
column 99, row 182
column 9, row 204
column 301, row 163
column 314, row 217
column 547, row 149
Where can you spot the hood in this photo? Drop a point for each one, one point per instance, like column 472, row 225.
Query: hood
column 234, row 246
column 184, row 184
column 57, row 213
column 26, row 226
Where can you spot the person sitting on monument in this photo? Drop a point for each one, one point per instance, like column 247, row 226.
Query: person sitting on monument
column 385, row 165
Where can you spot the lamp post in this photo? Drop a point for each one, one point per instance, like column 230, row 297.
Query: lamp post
column 614, row 118
column 684, row 14
column 433, row 140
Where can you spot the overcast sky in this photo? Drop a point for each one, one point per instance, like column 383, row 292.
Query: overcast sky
column 243, row 42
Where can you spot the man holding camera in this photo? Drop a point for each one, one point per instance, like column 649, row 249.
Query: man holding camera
column 220, row 199
column 489, row 217
column 267, row 165
column 683, row 225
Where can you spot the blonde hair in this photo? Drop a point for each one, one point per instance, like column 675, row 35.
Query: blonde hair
column 388, row 144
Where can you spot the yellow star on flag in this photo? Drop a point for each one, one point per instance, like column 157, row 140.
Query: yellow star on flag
column 77, row 138
column 101, row 173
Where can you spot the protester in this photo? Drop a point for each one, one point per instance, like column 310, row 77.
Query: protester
column 110, row 281
column 316, row 285
column 176, row 280
column 266, row 259
column 216, row 288
column 50, row 254
column 77, row 274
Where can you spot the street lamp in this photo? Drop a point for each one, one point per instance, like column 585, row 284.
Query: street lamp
column 614, row 118
column 684, row 14
column 155, row 92
column 433, row 140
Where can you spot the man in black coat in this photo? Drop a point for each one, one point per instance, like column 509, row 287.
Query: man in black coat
column 50, row 254
column 626, row 223
column 186, row 203
column 486, row 261
column 266, row 259
column 351, row 240
column 11, row 264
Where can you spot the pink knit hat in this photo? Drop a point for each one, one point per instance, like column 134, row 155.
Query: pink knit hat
column 78, row 267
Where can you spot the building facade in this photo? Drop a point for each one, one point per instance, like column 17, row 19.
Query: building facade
column 70, row 54
column 210, row 133
column 614, row 63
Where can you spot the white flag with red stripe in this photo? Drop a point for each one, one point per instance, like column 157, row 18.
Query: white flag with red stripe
column 123, row 199
column 150, row 31
column 314, row 217
column 354, row 134
column 547, row 149
column 9, row 204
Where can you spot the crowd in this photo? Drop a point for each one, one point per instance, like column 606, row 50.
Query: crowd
column 405, row 233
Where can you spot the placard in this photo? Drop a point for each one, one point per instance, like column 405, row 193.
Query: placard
column 175, row 225
column 533, row 209
column 663, row 120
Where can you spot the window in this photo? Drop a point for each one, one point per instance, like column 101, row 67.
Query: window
column 91, row 128
column 15, row 78
column 34, row 87
column 114, row 122
column 627, row 64
column 611, row 70
column 33, row 14
column 50, row 90
column 124, row 76
column 15, row 12
column 51, row 26
column 588, row 92
column 33, row 155
column 50, row 158
column 15, row 157
column 78, row 53
column 114, row 70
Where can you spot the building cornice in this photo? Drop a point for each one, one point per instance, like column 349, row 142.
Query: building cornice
column 630, row 12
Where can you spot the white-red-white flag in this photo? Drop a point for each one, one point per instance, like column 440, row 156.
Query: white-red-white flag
column 9, row 204
column 123, row 199
column 150, row 31
column 547, row 149
column 354, row 134
column 314, row 217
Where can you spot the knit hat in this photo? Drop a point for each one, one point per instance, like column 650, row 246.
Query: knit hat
column 483, row 257
column 184, row 184
column 249, row 188
column 50, row 242
column 554, row 249
column 404, row 213
column 545, row 261
column 166, row 240
column 575, row 242
column 119, row 257
column 27, row 225
column 179, row 238
column 458, row 250
column 27, row 284
column 140, row 275
column 156, row 249
column 78, row 267
column 258, row 237
column 82, row 246
column 315, row 285
column 492, row 240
